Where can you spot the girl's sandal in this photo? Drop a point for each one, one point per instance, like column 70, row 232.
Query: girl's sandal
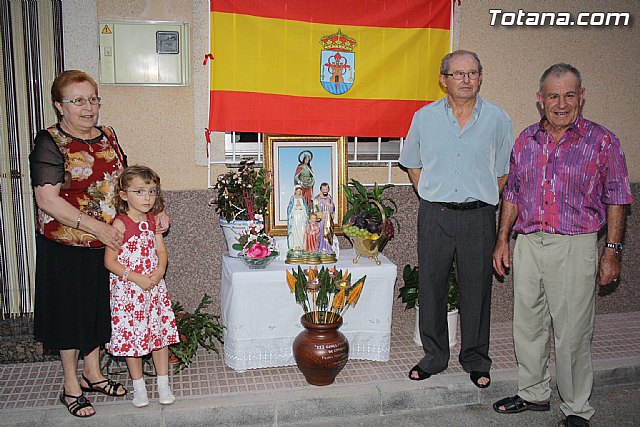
column 76, row 405
column 110, row 388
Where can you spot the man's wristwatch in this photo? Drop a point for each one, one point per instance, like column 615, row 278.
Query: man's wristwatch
column 617, row 247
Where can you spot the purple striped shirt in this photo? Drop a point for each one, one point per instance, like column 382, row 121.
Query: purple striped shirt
column 564, row 188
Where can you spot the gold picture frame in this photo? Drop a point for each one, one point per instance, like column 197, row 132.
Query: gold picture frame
column 283, row 154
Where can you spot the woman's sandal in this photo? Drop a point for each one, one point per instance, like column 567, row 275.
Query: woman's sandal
column 475, row 377
column 110, row 388
column 422, row 375
column 76, row 405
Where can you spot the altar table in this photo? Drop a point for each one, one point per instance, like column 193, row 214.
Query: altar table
column 262, row 318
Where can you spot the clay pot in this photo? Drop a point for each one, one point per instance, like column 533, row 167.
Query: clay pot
column 173, row 359
column 320, row 351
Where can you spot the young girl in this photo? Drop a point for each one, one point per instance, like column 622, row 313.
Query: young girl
column 142, row 320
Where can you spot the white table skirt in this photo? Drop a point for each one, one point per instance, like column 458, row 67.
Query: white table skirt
column 262, row 318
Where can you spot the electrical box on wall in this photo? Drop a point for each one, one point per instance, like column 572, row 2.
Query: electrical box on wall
column 144, row 53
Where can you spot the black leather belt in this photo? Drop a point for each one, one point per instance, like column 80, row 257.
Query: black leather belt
column 463, row 206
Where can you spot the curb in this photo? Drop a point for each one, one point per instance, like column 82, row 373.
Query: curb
column 300, row 406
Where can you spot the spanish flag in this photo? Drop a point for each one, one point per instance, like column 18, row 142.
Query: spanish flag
column 311, row 67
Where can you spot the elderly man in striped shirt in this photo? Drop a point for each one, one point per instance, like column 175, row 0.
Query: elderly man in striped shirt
column 567, row 179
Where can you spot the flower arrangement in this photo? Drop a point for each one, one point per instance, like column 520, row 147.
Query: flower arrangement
column 196, row 329
column 370, row 213
column 254, row 242
column 324, row 295
column 242, row 194
column 409, row 291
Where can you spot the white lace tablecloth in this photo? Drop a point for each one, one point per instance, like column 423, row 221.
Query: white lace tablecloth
column 262, row 318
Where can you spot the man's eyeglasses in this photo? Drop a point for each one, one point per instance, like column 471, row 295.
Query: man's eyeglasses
column 459, row 75
column 81, row 102
column 142, row 193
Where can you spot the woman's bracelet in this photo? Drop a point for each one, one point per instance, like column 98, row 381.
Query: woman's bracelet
column 78, row 220
column 126, row 273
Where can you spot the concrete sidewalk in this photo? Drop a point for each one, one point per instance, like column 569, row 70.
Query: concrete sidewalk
column 211, row 394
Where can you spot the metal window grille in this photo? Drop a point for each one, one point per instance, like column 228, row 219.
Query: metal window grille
column 361, row 151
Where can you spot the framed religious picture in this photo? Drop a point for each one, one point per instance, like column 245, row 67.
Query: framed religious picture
column 315, row 166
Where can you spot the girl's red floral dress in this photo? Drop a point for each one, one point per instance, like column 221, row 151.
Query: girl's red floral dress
column 141, row 321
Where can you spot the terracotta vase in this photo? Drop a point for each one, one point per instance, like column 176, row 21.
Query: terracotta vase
column 320, row 351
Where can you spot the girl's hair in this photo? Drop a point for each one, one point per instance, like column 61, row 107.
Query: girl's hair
column 124, row 181
column 65, row 79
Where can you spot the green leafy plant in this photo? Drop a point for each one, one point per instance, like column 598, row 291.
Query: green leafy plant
column 244, row 193
column 197, row 329
column 370, row 212
column 409, row 291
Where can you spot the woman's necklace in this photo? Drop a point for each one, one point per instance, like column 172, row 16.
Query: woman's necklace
column 86, row 141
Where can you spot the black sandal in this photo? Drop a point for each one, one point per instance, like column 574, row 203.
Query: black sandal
column 475, row 377
column 422, row 374
column 79, row 403
column 110, row 388
column 516, row 404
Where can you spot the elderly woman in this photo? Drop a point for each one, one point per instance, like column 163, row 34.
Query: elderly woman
column 74, row 166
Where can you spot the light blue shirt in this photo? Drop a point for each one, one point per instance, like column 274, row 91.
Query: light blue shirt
column 459, row 165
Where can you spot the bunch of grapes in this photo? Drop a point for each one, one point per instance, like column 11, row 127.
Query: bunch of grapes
column 387, row 229
column 353, row 231
column 363, row 225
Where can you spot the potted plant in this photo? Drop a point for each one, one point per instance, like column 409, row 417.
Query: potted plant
column 242, row 196
column 321, row 350
column 368, row 222
column 196, row 329
column 408, row 293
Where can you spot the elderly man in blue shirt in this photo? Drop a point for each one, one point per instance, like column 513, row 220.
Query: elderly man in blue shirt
column 457, row 157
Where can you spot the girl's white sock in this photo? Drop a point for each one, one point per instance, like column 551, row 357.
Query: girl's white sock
column 166, row 396
column 140, row 397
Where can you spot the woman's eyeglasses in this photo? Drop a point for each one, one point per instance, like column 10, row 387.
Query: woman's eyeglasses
column 81, row 102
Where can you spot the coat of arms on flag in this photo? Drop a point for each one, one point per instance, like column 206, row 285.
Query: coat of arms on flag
column 337, row 63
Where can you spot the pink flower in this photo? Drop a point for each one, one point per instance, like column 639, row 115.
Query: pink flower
column 258, row 251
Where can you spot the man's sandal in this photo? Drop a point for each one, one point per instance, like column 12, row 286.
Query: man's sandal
column 110, row 388
column 76, row 405
column 475, row 378
column 516, row 404
column 422, row 374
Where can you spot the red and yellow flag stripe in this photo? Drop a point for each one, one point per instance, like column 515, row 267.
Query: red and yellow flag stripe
column 266, row 72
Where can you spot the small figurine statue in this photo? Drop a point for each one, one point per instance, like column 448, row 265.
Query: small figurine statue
column 297, row 218
column 324, row 207
column 303, row 176
column 311, row 235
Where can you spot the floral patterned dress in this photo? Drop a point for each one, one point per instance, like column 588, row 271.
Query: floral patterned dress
column 141, row 321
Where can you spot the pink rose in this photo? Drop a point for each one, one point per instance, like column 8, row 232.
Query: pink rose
column 258, row 251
